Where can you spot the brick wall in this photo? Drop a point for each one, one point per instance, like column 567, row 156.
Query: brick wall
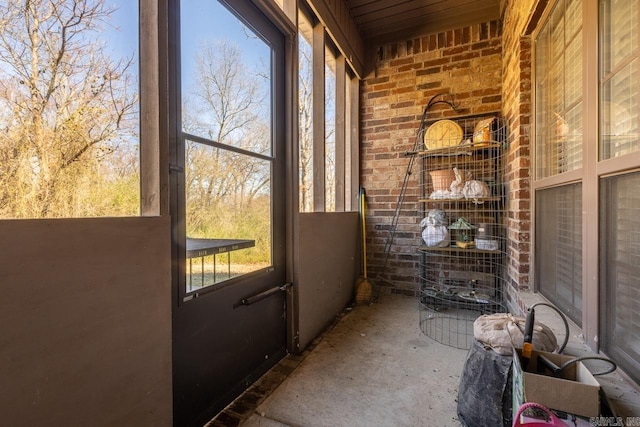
column 516, row 94
column 465, row 62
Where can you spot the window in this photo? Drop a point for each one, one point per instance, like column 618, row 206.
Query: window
column 227, row 131
column 559, row 130
column 619, row 79
column 69, row 109
column 327, row 114
column 619, row 145
column 559, row 91
column 559, row 247
column 587, row 158
column 620, row 270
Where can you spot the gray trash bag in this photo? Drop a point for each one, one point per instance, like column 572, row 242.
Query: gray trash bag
column 484, row 394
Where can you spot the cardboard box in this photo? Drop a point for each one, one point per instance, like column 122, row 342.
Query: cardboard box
column 577, row 392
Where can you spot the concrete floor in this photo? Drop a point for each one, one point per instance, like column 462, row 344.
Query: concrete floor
column 375, row 367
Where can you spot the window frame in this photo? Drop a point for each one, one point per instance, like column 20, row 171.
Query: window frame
column 346, row 96
column 592, row 171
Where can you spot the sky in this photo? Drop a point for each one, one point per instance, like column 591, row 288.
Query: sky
column 122, row 33
column 209, row 20
column 200, row 20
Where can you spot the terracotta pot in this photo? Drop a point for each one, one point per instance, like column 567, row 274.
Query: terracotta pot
column 442, row 179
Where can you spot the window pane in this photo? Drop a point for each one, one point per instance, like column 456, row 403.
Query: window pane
column 228, row 203
column 620, row 270
column 558, row 108
column 619, row 29
column 330, row 130
column 226, row 78
column 69, row 109
column 619, row 100
column 573, row 70
column 227, row 122
column 305, row 113
column 570, row 149
column 559, row 247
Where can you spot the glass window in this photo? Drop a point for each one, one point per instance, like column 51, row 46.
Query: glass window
column 69, row 109
column 619, row 197
column 558, row 108
column 226, row 80
column 620, row 270
column 227, row 129
column 559, row 247
column 619, row 79
column 611, row 248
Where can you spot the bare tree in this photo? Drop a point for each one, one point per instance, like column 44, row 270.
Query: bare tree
column 229, row 105
column 305, row 123
column 64, row 103
column 330, row 139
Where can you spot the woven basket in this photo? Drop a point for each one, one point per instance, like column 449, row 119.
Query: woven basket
column 442, row 179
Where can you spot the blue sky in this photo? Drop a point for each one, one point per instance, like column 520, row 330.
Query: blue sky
column 201, row 20
column 123, row 30
column 209, row 20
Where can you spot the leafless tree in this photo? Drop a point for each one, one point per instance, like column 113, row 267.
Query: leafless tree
column 305, row 123
column 306, row 137
column 229, row 104
column 65, row 105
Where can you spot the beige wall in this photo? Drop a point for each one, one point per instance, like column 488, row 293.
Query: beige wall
column 85, row 322
column 327, row 268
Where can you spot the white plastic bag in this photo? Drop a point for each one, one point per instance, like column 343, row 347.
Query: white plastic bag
column 436, row 236
column 476, row 190
column 435, row 233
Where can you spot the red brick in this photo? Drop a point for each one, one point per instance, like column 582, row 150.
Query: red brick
column 427, row 71
column 402, row 61
column 409, row 67
column 416, row 80
column 373, row 95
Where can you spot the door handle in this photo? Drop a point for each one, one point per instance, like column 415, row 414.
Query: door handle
column 262, row 295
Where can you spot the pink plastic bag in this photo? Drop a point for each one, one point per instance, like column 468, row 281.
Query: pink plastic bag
column 534, row 422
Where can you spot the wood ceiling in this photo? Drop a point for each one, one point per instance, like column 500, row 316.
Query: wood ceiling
column 389, row 20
